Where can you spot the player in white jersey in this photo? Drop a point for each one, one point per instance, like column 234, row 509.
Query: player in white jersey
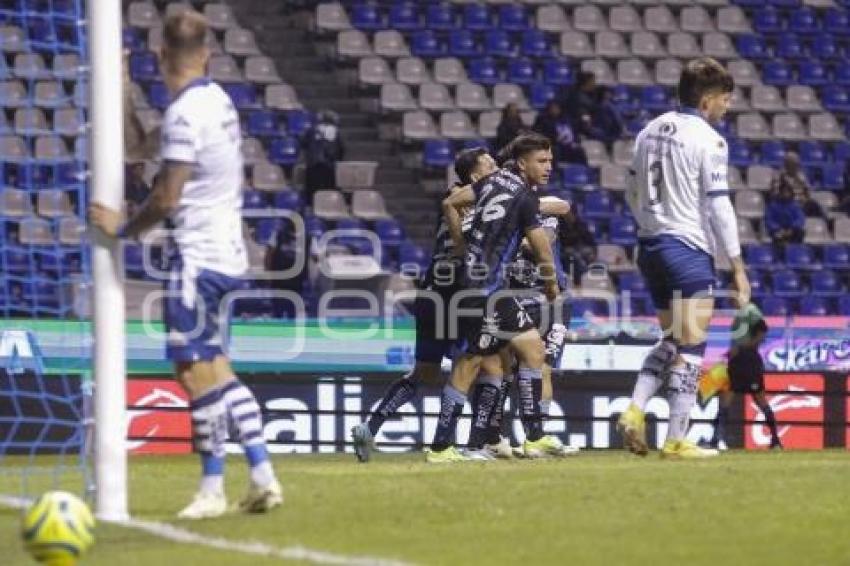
column 199, row 190
column 679, row 195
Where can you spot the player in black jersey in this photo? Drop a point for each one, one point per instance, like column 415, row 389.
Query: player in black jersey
column 437, row 286
column 506, row 211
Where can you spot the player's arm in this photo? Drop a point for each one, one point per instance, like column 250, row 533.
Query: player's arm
column 538, row 240
column 459, row 198
column 554, row 206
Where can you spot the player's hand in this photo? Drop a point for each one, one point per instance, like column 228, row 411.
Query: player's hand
column 109, row 221
column 551, row 290
column 741, row 284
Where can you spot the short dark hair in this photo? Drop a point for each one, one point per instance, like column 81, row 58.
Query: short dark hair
column 184, row 32
column 466, row 162
column 526, row 143
column 701, row 77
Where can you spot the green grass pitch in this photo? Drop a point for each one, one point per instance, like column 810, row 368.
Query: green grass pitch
column 606, row 508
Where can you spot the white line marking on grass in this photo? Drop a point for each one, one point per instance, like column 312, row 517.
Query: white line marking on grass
column 185, row 536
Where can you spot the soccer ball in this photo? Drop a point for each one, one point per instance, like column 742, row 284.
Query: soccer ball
column 58, row 529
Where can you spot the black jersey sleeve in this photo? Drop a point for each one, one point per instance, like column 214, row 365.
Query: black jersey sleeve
column 529, row 211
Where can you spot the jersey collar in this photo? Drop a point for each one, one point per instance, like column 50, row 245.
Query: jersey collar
column 194, row 83
column 691, row 111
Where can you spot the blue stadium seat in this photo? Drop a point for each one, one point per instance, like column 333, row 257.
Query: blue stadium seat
column 244, row 96
column 513, row 17
column 787, row 284
column 773, row 153
column 440, row 16
column 836, row 21
column 287, row 200
column 134, row 265
column 655, row 97
column 475, row 143
column 740, row 154
column 389, row 231
column 497, row 43
column 749, row 3
column 825, row 48
column 841, row 152
column 521, row 71
column 835, row 98
column 404, row 17
column 410, row 253
column 535, row 44
column 437, row 153
column 144, row 66
column 836, row 256
column 751, row 46
column 784, row 3
column 813, row 73
column 832, row 176
column 263, row 123
column 844, row 305
column 476, row 17
column 298, row 122
column 774, row 306
column 841, row 74
column 812, row 153
column 622, row 99
column 789, row 46
column 575, row 176
column 760, row 256
column 366, row 17
column 767, row 20
column 826, row 283
column 284, row 151
column 158, row 95
column 777, row 73
column 593, row 307
column 557, row 72
column 253, row 199
column 639, row 122
column 800, row 256
column 266, row 230
column 483, row 71
column 758, row 286
column 813, row 306
column 16, row 260
column 132, row 39
column 314, row 226
column 598, row 205
column 803, row 21
column 623, row 231
column 633, row 282
column 462, row 44
column 539, row 95
column 426, row 44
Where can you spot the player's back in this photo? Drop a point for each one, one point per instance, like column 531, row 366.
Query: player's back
column 201, row 127
column 444, row 270
column 679, row 160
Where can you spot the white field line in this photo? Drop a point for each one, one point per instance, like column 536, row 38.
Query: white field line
column 185, row 536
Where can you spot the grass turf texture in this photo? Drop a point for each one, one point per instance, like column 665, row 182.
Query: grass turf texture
column 599, row 508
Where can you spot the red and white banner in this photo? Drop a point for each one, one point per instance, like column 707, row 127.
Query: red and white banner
column 149, row 425
column 797, row 398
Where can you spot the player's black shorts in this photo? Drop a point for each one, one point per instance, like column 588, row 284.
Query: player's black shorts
column 435, row 334
column 486, row 335
column 746, row 371
column 553, row 329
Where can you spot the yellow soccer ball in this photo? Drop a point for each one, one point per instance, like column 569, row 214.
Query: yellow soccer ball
column 57, row 529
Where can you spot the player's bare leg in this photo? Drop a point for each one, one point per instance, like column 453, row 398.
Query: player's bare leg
column 770, row 418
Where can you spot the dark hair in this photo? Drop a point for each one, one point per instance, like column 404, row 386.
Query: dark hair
column 184, row 32
column 701, row 77
column 466, row 162
column 584, row 77
column 526, row 143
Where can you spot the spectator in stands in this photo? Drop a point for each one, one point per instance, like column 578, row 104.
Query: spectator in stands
column 565, row 146
column 607, row 123
column 578, row 246
column 784, row 218
column 792, row 176
column 322, row 149
column 581, row 103
column 509, row 127
column 136, row 190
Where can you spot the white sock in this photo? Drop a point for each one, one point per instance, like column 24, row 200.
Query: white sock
column 212, row 484
column 262, row 474
column 651, row 375
column 681, row 396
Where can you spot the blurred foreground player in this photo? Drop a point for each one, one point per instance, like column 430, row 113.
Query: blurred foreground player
column 199, row 190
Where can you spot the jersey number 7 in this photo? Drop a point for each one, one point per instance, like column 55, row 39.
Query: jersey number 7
column 656, row 183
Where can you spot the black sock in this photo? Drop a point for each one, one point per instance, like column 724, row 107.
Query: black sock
column 494, row 431
column 720, row 425
column 485, row 398
column 771, row 424
column 530, row 382
column 400, row 392
column 451, row 406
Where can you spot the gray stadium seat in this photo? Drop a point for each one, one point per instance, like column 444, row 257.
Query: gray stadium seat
column 81, row 94
column 719, row 46
column 143, row 15
column 696, row 19
column 223, row 69
column 374, row 71
column 412, row 71
column 827, row 201
column 596, row 282
column 646, row 45
column 353, row 175
column 732, row 19
column 50, row 94
column 261, row 70
column 353, row 44
column 596, row 153
column 238, row 41
column 433, row 96
column 449, row 71
column 842, row 230
column 788, row 127
column 623, row 152
column 418, row 125
column 35, row 231
column 576, row 44
column 13, row 39
column 457, row 126
column 30, row 121
column 472, row 96
column 155, row 39
column 712, row 3
column 282, row 96
column 749, row 204
column 624, row 19
column 589, row 19
column 613, row 176
column 611, row 45
column 267, row 177
column 51, row 148
column 600, row 68
column 505, row 93
column 752, row 126
column 332, row 17
column 330, row 205
column 174, row 8
column 759, row 177
column 13, row 94
column 81, row 148
column 744, row 72
column 30, row 66
column 13, row 148
column 746, row 232
column 390, row 43
column 660, row 20
column 734, row 179
column 683, row 45
column 4, row 124
column 396, row 97
column 253, row 151
column 766, row 98
column 14, row 203
column 488, row 123
column 220, row 16
column 739, row 101
column 825, row 127
column 632, row 72
column 552, row 19
column 66, row 66
column 816, row 231
column 802, row 98
column 54, row 204
column 668, row 72
column 72, row 231
column 369, row 205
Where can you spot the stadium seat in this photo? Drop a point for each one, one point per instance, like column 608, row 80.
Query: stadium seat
column 440, row 16
column 366, row 17
column 425, row 43
column 695, row 19
column 825, row 127
column 403, row 16
column 411, row 254
column 787, row 284
column 767, row 20
column 261, row 70
column 298, row 122
column 751, row 126
column 353, row 44
column 330, row 205
column 497, row 43
column 391, row 44
column 521, row 71
column 777, row 73
column 760, row 256
column 683, row 46
column 505, row 93
column 659, row 19
column 814, row 306
column 826, row 283
column 610, row 45
column 668, row 71
column 462, row 44
column 244, row 96
column 836, row 256
column 800, row 256
column 223, row 69
column 624, row 19
column 816, row 231
column 601, row 69
column 759, row 177
column 241, row 42
column 72, row 231
column 558, row 72
column 589, row 18
column 473, row 97
column 396, row 97
column 654, row 97
column 267, row 177
column 418, row 125
column 835, row 98
column 842, row 229
column 575, row 176
column 476, row 17
column 282, row 97
column 774, row 306
column 483, row 71
column 552, row 19
column 449, row 71
column 790, row 47
column 368, row 205
column 535, row 44
column 540, row 94
column 646, row 45
column 813, row 73
column 284, row 151
column 457, row 125
column 143, row 15
column 766, row 99
column 743, row 72
column 749, row 204
column 740, row 154
column 598, row 205
column 513, row 18
column 825, row 48
column 836, row 21
column 613, row 176
column 575, row 44
column 374, row 71
column 623, row 231
column 262, row 123
column 287, row 200
column 811, row 153
column 219, row 16
column 435, row 97
column 746, row 233
column 803, row 21
column 389, row 231
column 773, row 153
